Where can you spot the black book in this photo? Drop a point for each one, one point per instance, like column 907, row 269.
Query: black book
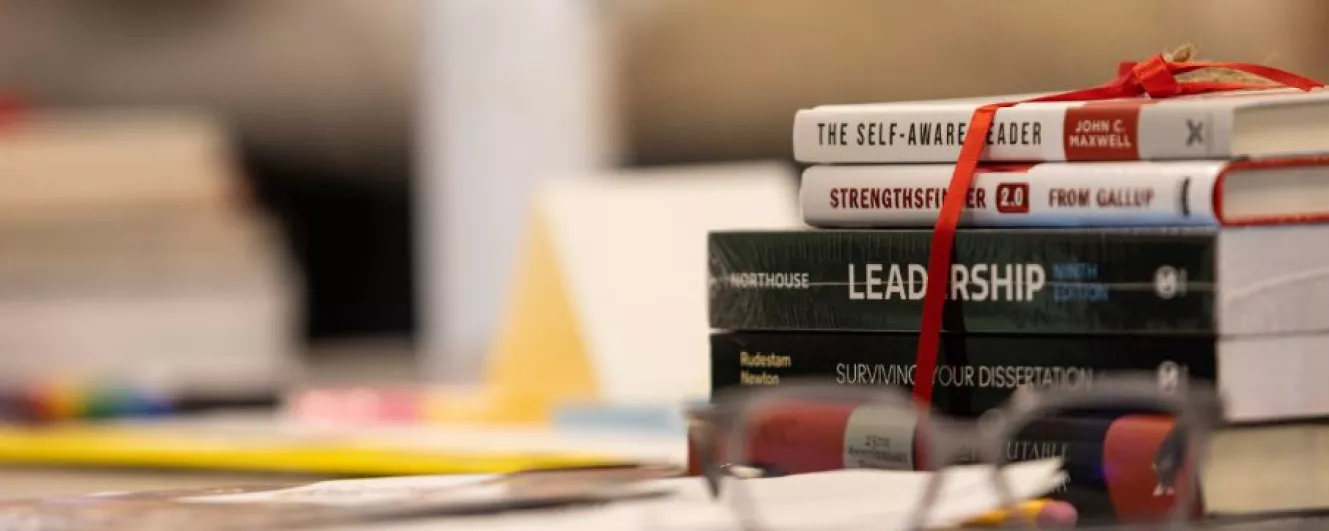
column 1231, row 280
column 974, row 372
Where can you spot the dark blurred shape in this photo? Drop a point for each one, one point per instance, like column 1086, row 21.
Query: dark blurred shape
column 354, row 243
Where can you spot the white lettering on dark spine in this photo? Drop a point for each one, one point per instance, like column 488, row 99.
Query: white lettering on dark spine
column 976, row 282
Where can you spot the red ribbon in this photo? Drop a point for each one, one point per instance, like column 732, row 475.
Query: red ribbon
column 1154, row 78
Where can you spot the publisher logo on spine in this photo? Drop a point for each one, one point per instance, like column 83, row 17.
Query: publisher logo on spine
column 764, row 280
column 1169, row 282
column 1171, row 376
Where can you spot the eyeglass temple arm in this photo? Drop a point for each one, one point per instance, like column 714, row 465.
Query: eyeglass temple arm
column 1169, row 458
column 1172, row 451
column 701, row 432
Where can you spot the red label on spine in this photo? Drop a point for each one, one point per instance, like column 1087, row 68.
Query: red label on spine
column 1013, row 198
column 1102, row 132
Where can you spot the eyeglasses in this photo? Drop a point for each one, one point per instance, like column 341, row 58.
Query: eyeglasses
column 1143, row 439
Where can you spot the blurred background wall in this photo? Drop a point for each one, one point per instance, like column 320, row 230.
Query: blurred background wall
column 320, row 94
column 710, row 79
column 323, row 94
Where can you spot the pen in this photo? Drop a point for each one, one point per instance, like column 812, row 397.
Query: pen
column 1043, row 511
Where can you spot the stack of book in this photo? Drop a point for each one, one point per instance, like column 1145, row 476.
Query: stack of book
column 1183, row 236
column 132, row 257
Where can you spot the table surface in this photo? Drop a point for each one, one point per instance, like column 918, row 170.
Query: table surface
column 358, row 362
column 23, row 482
column 20, row 482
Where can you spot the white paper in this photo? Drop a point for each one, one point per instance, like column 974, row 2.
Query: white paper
column 353, row 492
column 881, row 500
column 862, row 498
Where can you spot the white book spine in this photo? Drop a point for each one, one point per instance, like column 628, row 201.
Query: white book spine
column 1104, row 194
column 1073, row 131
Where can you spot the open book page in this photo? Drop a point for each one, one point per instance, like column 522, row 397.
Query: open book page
column 354, row 492
column 620, row 499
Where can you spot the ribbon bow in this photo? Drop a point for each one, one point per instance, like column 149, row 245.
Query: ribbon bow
column 1154, row 78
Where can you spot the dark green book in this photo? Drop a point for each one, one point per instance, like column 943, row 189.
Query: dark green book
column 1139, row 280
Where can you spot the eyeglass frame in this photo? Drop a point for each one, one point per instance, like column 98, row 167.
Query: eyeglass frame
column 1197, row 410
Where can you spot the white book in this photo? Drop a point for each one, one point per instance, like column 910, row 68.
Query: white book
column 204, row 305
column 1086, row 194
column 1218, row 125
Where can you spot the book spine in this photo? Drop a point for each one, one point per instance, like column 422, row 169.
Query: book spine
column 1040, row 195
column 1110, row 130
column 1109, row 461
column 974, row 373
column 1043, row 280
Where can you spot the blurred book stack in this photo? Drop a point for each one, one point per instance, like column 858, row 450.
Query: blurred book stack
column 1183, row 238
column 131, row 255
